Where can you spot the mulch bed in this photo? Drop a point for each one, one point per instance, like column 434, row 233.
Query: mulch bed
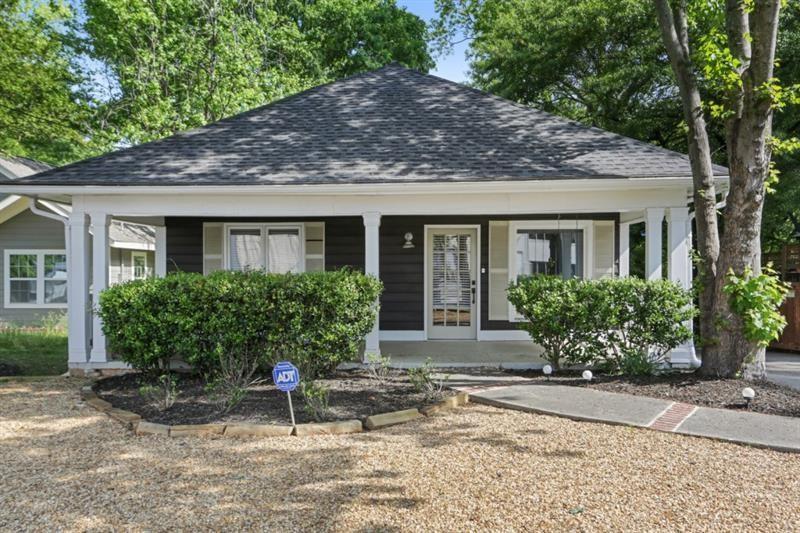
column 770, row 398
column 352, row 395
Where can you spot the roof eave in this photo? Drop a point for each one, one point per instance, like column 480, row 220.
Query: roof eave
column 513, row 186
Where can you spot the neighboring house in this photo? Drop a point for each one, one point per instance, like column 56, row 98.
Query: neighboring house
column 444, row 192
column 33, row 259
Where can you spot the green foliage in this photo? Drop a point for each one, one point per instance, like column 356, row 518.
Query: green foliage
column 180, row 64
column 37, row 352
column 559, row 316
column 422, row 380
column 44, row 114
column 640, row 321
column 316, row 398
column 596, row 61
column 228, row 323
column 757, row 298
column 622, row 325
column 149, row 322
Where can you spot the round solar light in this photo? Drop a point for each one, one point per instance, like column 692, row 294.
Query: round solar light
column 748, row 394
column 587, row 375
column 547, row 369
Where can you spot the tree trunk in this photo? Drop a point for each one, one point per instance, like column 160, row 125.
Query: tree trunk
column 725, row 347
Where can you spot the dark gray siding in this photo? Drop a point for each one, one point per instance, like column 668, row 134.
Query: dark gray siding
column 28, row 231
column 402, row 270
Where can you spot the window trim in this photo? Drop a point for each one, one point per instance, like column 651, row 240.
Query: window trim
column 587, row 226
column 264, row 227
column 40, row 279
column 134, row 255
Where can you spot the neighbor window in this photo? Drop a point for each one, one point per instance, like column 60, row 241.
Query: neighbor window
column 35, row 278
column 270, row 247
column 552, row 252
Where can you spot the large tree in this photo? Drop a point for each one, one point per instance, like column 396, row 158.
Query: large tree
column 44, row 114
column 183, row 63
column 731, row 45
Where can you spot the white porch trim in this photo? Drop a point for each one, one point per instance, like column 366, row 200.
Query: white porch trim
column 100, row 265
column 372, row 261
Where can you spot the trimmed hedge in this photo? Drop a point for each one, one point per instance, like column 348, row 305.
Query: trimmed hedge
column 622, row 325
column 317, row 320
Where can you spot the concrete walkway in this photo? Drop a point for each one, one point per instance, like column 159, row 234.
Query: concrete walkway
column 784, row 368
column 754, row 429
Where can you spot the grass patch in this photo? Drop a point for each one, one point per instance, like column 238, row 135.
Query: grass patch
column 36, row 352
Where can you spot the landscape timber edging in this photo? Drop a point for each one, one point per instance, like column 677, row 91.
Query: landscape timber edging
column 140, row 426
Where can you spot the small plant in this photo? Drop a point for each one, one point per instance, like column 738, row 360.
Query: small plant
column 422, row 380
column 164, row 393
column 315, row 397
column 378, row 368
column 756, row 298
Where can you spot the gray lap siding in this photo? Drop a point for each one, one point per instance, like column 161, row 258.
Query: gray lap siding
column 402, row 270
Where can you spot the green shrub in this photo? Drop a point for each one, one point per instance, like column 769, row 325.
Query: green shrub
column 227, row 324
column 621, row 325
column 757, row 298
column 558, row 316
column 641, row 322
column 149, row 322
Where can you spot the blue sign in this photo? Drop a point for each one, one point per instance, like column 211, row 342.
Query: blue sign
column 286, row 376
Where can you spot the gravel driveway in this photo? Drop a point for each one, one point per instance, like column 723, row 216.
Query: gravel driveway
column 64, row 466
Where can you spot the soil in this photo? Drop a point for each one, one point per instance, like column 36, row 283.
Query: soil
column 770, row 398
column 353, row 394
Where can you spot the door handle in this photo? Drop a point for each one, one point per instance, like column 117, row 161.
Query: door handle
column 473, row 294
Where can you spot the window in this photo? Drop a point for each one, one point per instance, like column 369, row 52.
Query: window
column 552, row 247
column 35, row 278
column 139, row 265
column 551, row 252
column 272, row 247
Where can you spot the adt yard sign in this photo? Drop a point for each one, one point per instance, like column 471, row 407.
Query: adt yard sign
column 286, row 376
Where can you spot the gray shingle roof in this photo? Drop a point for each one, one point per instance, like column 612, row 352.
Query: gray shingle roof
column 391, row 125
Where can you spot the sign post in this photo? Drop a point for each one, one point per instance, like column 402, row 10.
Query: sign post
column 286, row 378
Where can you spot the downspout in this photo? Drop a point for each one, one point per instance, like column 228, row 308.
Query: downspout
column 64, row 220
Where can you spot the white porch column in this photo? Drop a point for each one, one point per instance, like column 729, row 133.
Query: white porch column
column 680, row 271
column 654, row 217
column 100, row 266
column 372, row 224
column 679, row 246
column 161, row 251
column 624, row 250
column 78, row 287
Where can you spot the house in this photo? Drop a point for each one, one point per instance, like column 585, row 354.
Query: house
column 444, row 192
column 33, row 257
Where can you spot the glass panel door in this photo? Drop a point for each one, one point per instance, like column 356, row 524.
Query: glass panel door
column 452, row 283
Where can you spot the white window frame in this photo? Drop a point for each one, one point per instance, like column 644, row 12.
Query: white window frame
column 134, row 255
column 264, row 227
column 39, row 279
column 587, row 226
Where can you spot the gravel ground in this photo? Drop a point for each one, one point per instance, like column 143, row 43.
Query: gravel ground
column 66, row 467
column 771, row 398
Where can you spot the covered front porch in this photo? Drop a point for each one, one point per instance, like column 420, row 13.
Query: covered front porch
column 445, row 259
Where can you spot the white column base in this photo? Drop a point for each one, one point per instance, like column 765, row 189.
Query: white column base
column 684, row 356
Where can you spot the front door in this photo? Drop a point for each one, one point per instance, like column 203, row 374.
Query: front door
column 452, row 274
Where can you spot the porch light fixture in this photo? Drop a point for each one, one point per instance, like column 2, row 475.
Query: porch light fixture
column 587, row 375
column 409, row 237
column 547, row 370
column 748, row 394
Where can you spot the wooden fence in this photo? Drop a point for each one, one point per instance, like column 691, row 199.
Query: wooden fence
column 787, row 263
